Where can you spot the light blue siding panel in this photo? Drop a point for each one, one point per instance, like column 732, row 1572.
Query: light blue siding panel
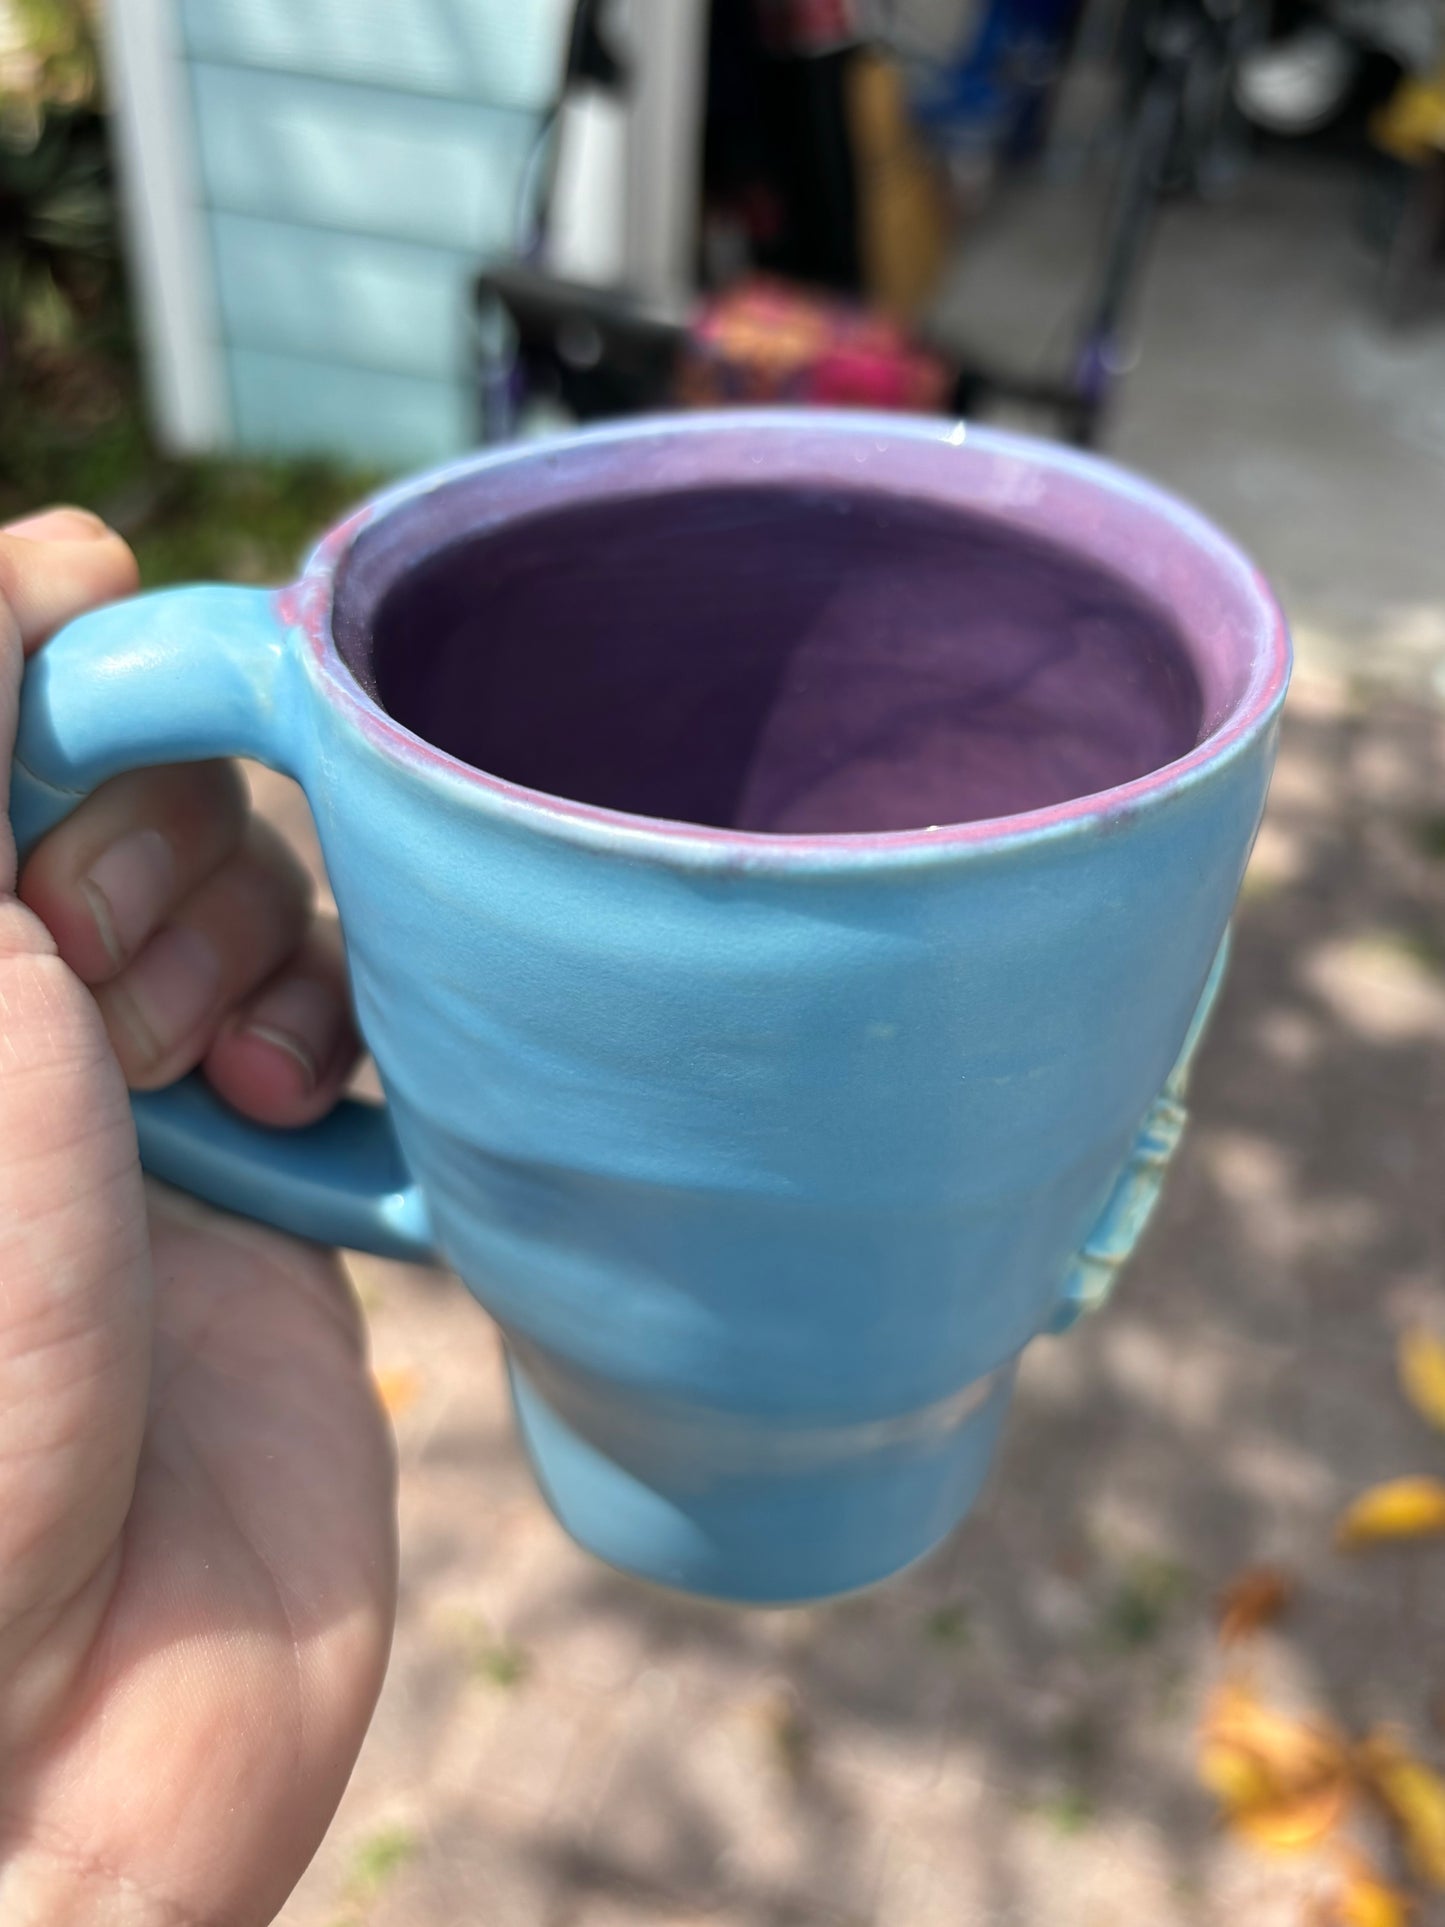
column 342, row 297
column 510, row 52
column 312, row 151
column 285, row 405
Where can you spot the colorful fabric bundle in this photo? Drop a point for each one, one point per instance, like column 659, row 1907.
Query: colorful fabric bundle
column 766, row 341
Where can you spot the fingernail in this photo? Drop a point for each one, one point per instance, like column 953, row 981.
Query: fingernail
column 129, row 890
column 59, row 525
column 167, row 992
column 304, row 1019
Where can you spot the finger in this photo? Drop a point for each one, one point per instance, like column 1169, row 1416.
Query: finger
column 56, row 565
column 107, row 879
column 165, row 1008
column 284, row 1056
column 63, row 523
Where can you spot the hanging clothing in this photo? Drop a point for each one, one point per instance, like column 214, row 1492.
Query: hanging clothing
column 809, row 27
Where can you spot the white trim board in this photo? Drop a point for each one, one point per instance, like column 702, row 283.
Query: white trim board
column 169, row 262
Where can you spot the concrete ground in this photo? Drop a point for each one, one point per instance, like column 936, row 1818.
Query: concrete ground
column 1008, row 1735
column 1266, row 389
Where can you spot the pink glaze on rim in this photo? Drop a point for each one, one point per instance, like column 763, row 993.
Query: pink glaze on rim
column 1092, row 506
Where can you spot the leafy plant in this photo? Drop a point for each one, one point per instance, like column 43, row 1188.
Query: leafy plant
column 950, row 1626
column 47, row 59
column 57, row 205
column 1150, row 1590
column 1069, row 1811
column 375, row 1862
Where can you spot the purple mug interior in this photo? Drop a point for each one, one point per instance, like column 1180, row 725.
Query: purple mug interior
column 847, row 633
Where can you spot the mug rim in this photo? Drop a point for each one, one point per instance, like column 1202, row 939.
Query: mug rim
column 308, row 606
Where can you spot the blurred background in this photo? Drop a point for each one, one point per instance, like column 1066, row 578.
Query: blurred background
column 347, row 235
column 258, row 255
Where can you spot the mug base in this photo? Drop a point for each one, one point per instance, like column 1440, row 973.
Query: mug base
column 785, row 1533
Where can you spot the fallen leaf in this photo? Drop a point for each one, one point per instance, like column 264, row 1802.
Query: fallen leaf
column 1369, row 1903
column 1287, row 1745
column 1254, row 1598
column 1236, row 1778
column 1410, row 1508
column 1413, row 1795
column 397, row 1388
column 1422, row 1374
column 1284, row 1783
column 1365, row 1898
column 1294, row 1824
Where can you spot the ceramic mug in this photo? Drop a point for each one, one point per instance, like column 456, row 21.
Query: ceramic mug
column 785, row 861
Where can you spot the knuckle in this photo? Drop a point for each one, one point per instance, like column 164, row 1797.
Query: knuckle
column 276, row 868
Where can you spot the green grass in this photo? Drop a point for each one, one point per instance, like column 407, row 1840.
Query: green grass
column 376, row 1861
column 500, row 1664
column 1146, row 1597
column 74, row 431
column 950, row 1626
column 790, row 1737
column 489, row 1660
column 1070, row 1811
column 1417, row 947
column 1424, row 950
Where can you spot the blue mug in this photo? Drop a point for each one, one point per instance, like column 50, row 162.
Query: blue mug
column 785, row 861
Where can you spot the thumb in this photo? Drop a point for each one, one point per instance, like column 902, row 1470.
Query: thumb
column 74, row 1255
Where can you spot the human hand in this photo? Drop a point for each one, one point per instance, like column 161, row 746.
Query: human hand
column 197, row 1488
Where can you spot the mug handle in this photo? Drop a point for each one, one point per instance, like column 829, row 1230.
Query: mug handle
column 1132, row 1202
column 177, row 676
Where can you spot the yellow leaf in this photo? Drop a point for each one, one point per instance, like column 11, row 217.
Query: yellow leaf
column 1400, row 1509
column 1413, row 1795
column 1292, row 1750
column 397, row 1388
column 1366, row 1899
column 1422, row 1374
column 1284, row 1783
column 1372, row 1904
column 1294, row 1824
column 1236, row 1778
column 1254, row 1598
